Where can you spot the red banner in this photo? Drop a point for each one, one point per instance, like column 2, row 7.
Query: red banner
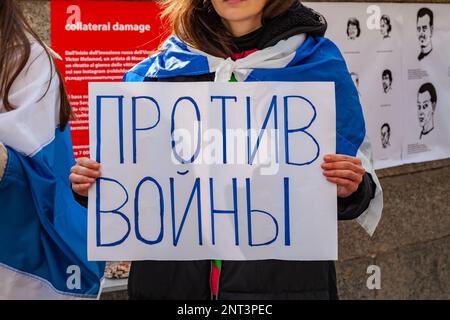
column 98, row 42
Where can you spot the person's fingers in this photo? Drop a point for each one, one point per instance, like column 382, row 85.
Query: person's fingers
column 81, row 186
column 343, row 165
column 342, row 192
column 88, row 163
column 83, row 171
column 81, row 189
column 79, row 179
column 346, row 174
column 342, row 157
column 348, row 184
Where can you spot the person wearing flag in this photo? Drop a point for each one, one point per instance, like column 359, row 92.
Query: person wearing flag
column 43, row 230
column 256, row 40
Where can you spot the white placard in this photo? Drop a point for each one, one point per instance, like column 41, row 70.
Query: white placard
column 175, row 187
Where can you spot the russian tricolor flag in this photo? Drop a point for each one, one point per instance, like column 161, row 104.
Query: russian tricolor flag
column 43, row 230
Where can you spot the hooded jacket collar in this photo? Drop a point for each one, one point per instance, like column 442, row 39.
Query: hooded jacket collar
column 296, row 20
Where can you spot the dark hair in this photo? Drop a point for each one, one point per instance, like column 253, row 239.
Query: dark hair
column 387, row 126
column 196, row 23
column 430, row 88
column 354, row 22
column 15, row 52
column 388, row 73
column 387, row 20
column 425, row 11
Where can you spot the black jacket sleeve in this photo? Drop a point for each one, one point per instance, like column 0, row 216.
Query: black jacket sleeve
column 353, row 206
column 81, row 199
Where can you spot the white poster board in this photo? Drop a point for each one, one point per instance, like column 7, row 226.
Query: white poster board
column 381, row 43
column 426, row 82
column 212, row 171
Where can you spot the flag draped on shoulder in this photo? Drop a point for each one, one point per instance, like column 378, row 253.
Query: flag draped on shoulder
column 43, row 230
column 299, row 58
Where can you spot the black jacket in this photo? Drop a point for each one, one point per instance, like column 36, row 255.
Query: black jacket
column 263, row 279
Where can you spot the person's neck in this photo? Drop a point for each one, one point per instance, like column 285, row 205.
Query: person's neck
column 241, row 28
